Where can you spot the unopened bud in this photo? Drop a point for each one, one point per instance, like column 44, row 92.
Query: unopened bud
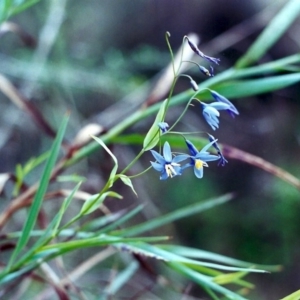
column 194, row 85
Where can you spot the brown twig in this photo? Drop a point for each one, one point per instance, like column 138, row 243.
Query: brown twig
column 260, row 163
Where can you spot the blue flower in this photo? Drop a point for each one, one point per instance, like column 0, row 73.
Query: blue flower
column 199, row 159
column 206, row 72
column 222, row 159
column 211, row 112
column 232, row 110
column 163, row 126
column 200, row 53
column 167, row 165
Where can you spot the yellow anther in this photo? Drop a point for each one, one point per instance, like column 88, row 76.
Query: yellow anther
column 199, row 164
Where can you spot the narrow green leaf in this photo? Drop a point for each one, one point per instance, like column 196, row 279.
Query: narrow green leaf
column 51, row 230
column 152, row 136
column 122, row 220
column 114, row 170
column 204, row 281
column 176, row 215
column 39, row 196
column 244, row 88
column 229, row 277
column 95, row 201
column 293, row 296
column 95, row 224
column 192, row 263
column 206, row 255
column 277, row 27
column 121, row 279
column 126, row 180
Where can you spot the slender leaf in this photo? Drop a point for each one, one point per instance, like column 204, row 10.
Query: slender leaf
column 51, row 230
column 293, row 296
column 95, row 201
column 126, row 180
column 277, row 27
column 204, row 281
column 121, row 279
column 173, row 216
column 114, row 170
column 169, row 256
column 229, row 278
column 152, row 136
column 244, row 88
column 39, row 196
column 122, row 220
column 206, row 255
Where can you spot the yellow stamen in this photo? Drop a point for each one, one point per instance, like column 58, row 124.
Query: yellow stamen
column 199, row 164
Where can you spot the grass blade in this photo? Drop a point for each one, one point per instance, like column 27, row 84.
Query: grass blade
column 245, row 88
column 173, row 216
column 277, row 27
column 39, row 196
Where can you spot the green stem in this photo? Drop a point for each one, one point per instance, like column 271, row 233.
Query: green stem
column 142, row 114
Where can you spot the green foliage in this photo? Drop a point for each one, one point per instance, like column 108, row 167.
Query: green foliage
column 94, row 226
column 152, row 137
column 9, row 8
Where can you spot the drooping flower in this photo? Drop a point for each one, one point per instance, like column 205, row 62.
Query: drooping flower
column 194, row 85
column 222, row 159
column 232, row 110
column 211, row 112
column 200, row 53
column 206, row 72
column 199, row 159
column 167, row 165
column 163, row 126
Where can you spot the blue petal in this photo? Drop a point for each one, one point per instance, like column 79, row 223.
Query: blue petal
column 158, row 157
column 221, row 98
column 167, row 152
column 208, row 146
column 220, row 106
column 207, row 157
column 178, row 170
column 164, row 176
column 187, row 166
column 192, row 148
column 163, row 126
column 180, row 158
column 157, row 167
column 212, row 120
column 198, row 172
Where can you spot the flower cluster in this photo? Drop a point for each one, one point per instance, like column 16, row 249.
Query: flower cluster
column 170, row 164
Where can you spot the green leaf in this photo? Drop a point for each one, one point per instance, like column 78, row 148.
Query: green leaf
column 171, row 257
column 114, row 170
column 244, row 88
column 277, row 27
column 173, row 216
column 121, row 220
column 23, row 6
column 229, row 278
column 293, row 296
column 152, row 137
column 126, row 180
column 39, row 196
column 121, row 279
column 95, row 201
column 206, row 255
column 204, row 281
column 52, row 228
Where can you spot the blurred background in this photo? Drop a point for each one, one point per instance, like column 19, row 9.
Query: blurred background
column 89, row 57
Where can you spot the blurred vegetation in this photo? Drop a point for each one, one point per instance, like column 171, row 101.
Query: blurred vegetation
column 69, row 64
